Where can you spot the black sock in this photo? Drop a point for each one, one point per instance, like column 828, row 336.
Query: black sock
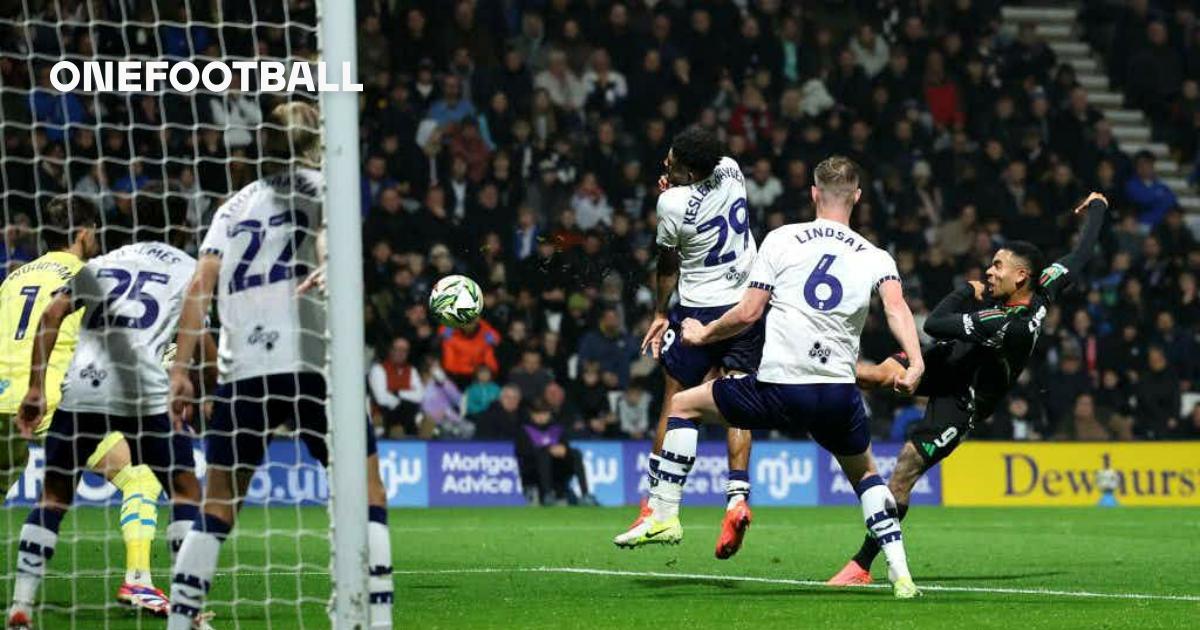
column 870, row 547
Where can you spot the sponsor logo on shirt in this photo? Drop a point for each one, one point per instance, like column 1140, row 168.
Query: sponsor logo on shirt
column 819, row 352
column 266, row 338
column 93, row 375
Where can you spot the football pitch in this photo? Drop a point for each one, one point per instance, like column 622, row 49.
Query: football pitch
column 556, row 568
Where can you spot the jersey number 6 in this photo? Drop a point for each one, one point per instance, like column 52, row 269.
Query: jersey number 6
column 721, row 224
column 822, row 290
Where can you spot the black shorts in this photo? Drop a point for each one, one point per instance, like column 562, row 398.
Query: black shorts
column 691, row 364
column 248, row 411
column 73, row 437
column 949, row 414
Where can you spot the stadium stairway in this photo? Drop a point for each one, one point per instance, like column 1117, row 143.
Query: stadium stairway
column 1057, row 25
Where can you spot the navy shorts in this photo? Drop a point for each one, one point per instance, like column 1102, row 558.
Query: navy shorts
column 690, row 364
column 74, row 435
column 832, row 413
column 248, row 411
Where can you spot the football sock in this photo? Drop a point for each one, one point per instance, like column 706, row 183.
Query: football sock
column 737, row 488
column 183, row 519
column 870, row 547
column 39, row 536
column 670, row 468
column 379, row 582
column 194, row 569
column 139, row 519
column 879, row 512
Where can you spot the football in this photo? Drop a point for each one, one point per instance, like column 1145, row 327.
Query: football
column 456, row 301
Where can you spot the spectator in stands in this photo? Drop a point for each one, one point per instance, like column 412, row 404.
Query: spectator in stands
column 763, row 189
column 530, row 376
column 465, row 349
column 1155, row 73
column 547, row 461
column 481, row 393
column 503, row 417
column 1157, row 398
column 1015, row 422
column 442, row 406
column 374, row 181
column 563, row 87
column 633, row 411
column 1152, row 197
column 55, row 110
column 1062, row 388
column 610, row 346
column 397, row 390
column 451, row 107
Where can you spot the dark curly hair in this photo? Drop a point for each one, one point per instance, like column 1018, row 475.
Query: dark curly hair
column 698, row 150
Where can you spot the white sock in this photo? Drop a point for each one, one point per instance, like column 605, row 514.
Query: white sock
column 194, row 570
column 33, row 552
column 736, row 490
column 669, row 469
column 176, row 532
column 379, row 580
column 879, row 512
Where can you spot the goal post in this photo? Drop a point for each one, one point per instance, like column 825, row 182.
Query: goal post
column 347, row 388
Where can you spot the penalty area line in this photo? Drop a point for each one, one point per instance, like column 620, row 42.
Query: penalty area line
column 934, row 588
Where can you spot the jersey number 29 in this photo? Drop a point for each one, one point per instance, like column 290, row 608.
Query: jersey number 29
column 722, row 225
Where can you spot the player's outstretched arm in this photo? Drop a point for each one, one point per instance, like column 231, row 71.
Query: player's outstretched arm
column 34, row 405
column 904, row 329
column 666, row 279
column 1052, row 278
column 734, row 321
column 191, row 329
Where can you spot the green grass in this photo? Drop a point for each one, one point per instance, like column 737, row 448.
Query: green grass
column 472, row 568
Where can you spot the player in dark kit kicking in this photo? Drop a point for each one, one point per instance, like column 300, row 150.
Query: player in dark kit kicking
column 985, row 336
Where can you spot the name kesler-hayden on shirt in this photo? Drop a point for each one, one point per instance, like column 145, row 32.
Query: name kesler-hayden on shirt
column 821, row 275
column 708, row 224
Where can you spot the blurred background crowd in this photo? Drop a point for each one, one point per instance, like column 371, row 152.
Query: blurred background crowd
column 519, row 142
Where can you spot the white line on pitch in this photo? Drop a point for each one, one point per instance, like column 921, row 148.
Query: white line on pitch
column 764, row 580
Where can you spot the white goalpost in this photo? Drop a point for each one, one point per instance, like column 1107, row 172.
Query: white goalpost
column 347, row 388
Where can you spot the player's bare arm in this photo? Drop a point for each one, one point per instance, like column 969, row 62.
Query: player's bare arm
column 191, row 329
column 904, row 329
column 33, row 407
column 666, row 279
column 737, row 319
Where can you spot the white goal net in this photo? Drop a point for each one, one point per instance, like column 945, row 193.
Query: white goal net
column 186, row 154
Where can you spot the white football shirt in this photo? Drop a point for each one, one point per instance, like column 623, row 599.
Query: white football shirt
column 266, row 236
column 132, row 299
column 821, row 275
column 708, row 223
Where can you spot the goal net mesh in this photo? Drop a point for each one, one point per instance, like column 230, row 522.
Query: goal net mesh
column 107, row 147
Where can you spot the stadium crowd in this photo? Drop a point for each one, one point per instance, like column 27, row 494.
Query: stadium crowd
column 520, row 143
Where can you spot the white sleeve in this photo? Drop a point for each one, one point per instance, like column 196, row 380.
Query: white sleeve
column 216, row 240
column 84, row 287
column 763, row 272
column 415, row 393
column 377, row 379
column 668, row 222
column 884, row 269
